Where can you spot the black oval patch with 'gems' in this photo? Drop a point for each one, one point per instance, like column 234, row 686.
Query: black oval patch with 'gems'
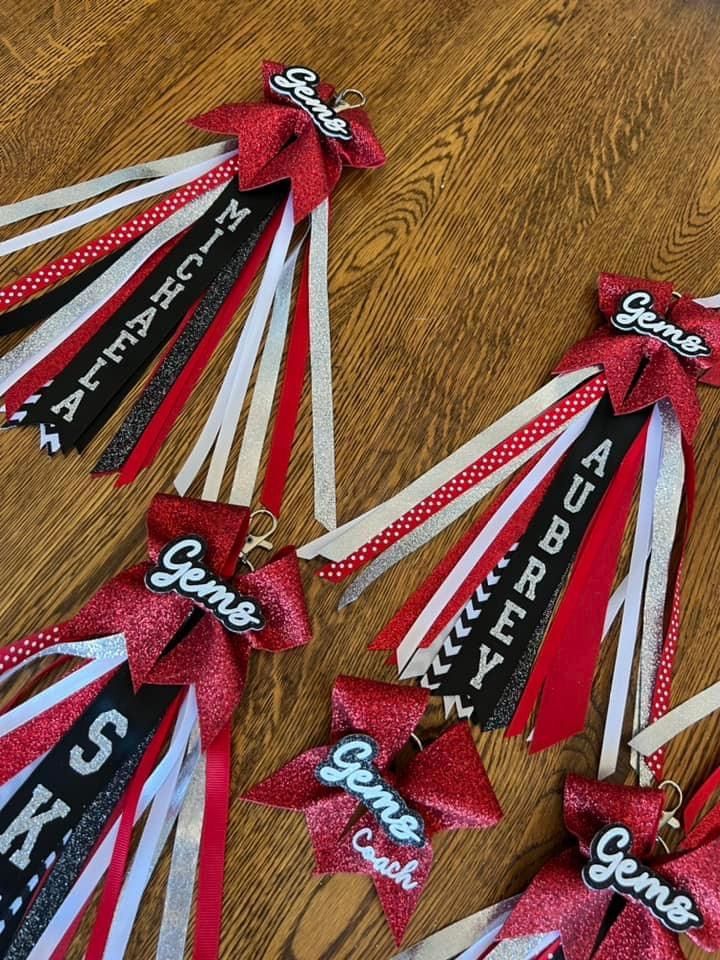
column 179, row 569
column 637, row 316
column 612, row 867
column 298, row 83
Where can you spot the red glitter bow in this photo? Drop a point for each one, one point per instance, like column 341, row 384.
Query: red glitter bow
column 445, row 784
column 640, row 369
column 278, row 140
column 559, row 900
column 208, row 655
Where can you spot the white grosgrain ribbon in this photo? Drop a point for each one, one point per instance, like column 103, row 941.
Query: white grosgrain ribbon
column 486, row 537
column 202, row 161
column 248, row 462
column 339, row 543
column 481, row 927
column 627, row 640
column 51, row 332
column 321, row 369
column 221, row 424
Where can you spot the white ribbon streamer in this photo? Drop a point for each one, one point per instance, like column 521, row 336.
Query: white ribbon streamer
column 58, row 691
column 248, row 462
column 337, row 544
column 148, row 848
column 51, row 332
column 101, row 648
column 220, row 426
column 321, row 370
column 109, row 205
column 462, row 570
column 631, row 614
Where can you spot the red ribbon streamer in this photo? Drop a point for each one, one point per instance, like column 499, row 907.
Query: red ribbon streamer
column 288, row 409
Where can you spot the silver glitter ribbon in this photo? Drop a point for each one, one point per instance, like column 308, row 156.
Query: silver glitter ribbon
column 339, row 543
column 248, row 462
column 666, row 508
column 63, row 322
column 181, row 881
column 677, row 720
column 436, row 523
column 321, row 370
column 78, row 192
column 523, row 948
column 452, row 940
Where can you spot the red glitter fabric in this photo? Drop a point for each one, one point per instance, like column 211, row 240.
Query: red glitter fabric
column 208, row 656
column 559, row 900
column 445, row 784
column 278, row 140
column 640, row 369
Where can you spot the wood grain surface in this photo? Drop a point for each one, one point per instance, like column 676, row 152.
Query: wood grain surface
column 531, row 144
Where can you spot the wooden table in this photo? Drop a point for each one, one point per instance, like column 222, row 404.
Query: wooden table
column 531, row 144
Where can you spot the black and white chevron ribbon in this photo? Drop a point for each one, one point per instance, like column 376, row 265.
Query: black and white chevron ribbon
column 461, row 629
column 49, row 438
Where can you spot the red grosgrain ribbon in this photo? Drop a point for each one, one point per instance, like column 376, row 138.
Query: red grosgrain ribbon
column 639, row 355
column 559, row 898
column 280, row 140
column 444, row 787
column 288, row 409
column 211, row 870
column 565, row 667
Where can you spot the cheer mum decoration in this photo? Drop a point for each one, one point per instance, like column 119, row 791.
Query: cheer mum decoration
column 444, row 787
column 167, row 284
column 142, row 727
column 495, row 629
column 607, row 896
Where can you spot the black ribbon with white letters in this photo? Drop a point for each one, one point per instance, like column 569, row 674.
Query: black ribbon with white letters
column 127, row 341
column 501, row 636
column 65, row 784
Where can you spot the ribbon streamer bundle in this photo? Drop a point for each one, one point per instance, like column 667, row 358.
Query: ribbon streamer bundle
column 607, row 896
column 167, row 283
column 494, row 628
column 141, row 730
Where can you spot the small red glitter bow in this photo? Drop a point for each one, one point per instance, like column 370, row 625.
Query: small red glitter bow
column 279, row 140
column 445, row 786
column 208, row 655
column 642, row 369
column 559, row 900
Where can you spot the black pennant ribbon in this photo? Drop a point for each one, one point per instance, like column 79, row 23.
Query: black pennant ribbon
column 41, row 817
column 126, row 343
column 511, row 619
column 125, row 440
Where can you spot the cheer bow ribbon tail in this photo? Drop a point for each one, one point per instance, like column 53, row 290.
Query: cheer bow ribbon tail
column 493, row 629
column 444, row 787
column 144, row 726
column 636, row 905
column 168, row 282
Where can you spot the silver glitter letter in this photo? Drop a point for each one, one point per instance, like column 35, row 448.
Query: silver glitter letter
column 30, row 823
column 104, row 746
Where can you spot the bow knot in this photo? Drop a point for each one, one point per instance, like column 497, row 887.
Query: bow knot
column 560, row 899
column 173, row 637
column 655, row 344
column 292, row 137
